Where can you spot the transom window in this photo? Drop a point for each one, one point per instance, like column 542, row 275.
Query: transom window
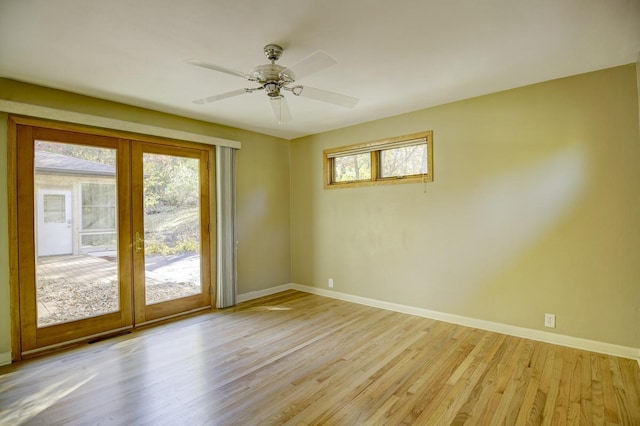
column 403, row 159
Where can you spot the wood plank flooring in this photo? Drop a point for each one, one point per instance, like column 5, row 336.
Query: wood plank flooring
column 296, row 358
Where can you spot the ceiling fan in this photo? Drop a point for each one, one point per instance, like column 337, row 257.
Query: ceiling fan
column 275, row 79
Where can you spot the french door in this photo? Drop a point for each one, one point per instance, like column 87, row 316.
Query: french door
column 113, row 233
column 171, row 230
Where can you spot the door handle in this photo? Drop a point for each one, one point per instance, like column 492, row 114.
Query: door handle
column 139, row 243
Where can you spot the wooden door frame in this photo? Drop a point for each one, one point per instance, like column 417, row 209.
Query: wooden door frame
column 145, row 314
column 34, row 339
column 12, row 197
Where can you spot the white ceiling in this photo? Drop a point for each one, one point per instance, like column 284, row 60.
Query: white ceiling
column 395, row 56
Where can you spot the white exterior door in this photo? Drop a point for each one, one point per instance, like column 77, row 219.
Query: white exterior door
column 54, row 230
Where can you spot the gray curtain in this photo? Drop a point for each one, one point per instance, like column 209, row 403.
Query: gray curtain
column 226, row 230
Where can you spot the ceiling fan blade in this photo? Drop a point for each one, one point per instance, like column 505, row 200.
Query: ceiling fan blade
column 207, row 65
column 281, row 109
column 220, row 96
column 327, row 96
column 306, row 66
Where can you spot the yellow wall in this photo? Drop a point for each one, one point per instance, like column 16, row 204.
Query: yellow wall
column 535, row 208
column 262, row 188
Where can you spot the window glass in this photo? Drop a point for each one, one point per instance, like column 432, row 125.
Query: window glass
column 54, row 208
column 404, row 161
column 98, row 206
column 396, row 160
column 99, row 240
column 351, row 168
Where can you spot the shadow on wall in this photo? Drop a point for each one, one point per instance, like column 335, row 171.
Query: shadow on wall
column 499, row 218
column 437, row 250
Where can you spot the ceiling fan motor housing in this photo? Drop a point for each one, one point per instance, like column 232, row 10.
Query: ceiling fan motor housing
column 266, row 73
column 271, row 77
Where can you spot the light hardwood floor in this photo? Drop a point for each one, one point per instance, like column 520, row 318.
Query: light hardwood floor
column 297, row 358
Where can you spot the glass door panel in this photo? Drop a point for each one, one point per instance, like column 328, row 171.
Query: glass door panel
column 75, row 279
column 73, row 201
column 171, row 189
column 170, row 221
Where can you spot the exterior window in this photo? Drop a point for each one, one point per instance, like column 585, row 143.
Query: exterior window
column 54, row 208
column 98, row 206
column 404, row 159
column 350, row 168
column 99, row 217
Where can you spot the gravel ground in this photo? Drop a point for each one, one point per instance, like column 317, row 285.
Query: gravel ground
column 63, row 300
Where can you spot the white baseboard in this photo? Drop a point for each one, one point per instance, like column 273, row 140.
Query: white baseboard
column 511, row 330
column 5, row 358
column 261, row 293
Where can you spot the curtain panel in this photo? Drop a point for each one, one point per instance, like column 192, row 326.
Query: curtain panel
column 226, row 228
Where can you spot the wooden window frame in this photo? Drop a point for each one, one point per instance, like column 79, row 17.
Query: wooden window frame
column 374, row 148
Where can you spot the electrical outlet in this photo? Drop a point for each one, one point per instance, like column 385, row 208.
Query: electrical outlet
column 330, row 282
column 550, row 320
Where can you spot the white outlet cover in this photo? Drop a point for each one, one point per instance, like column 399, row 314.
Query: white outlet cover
column 550, row 320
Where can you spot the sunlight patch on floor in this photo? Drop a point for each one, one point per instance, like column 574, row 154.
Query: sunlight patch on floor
column 269, row 308
column 33, row 404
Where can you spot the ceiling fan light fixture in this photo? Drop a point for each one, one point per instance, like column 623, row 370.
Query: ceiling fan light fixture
column 273, row 89
column 274, row 78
